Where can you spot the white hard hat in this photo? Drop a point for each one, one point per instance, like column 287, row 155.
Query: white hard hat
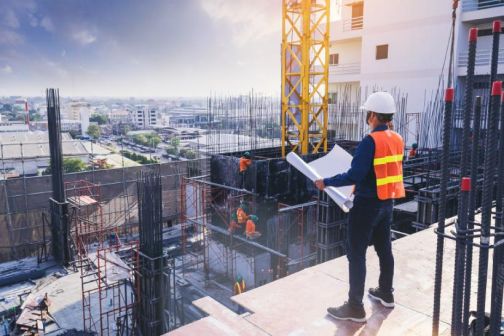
column 380, row 102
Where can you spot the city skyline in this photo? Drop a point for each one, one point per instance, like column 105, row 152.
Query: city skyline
column 189, row 48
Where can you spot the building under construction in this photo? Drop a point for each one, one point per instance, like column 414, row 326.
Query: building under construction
column 205, row 247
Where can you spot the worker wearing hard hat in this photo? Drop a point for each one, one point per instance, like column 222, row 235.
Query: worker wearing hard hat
column 244, row 164
column 376, row 172
column 413, row 151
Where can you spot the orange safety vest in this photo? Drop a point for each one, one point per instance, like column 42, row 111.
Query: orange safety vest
column 412, row 153
column 250, row 227
column 389, row 152
column 239, row 287
column 244, row 164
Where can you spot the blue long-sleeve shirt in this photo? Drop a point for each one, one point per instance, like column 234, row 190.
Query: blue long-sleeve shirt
column 361, row 173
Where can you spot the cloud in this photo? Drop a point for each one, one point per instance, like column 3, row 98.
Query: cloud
column 84, row 37
column 248, row 20
column 10, row 19
column 10, row 37
column 56, row 67
column 47, row 24
column 32, row 20
column 6, row 69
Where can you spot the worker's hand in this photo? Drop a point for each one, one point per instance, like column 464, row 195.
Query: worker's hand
column 320, row 184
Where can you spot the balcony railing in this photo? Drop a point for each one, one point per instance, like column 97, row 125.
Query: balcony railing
column 345, row 69
column 472, row 5
column 483, row 57
column 355, row 23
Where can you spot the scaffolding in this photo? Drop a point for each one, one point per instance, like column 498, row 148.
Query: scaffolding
column 108, row 267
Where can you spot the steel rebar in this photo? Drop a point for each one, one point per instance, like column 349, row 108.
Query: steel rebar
column 486, row 206
column 462, row 213
column 472, row 208
column 449, row 96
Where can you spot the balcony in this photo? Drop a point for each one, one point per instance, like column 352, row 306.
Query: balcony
column 483, row 57
column 346, row 29
column 348, row 72
column 354, row 23
column 481, row 10
column 472, row 5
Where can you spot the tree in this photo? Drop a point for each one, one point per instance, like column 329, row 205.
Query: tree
column 94, row 131
column 73, row 165
column 170, row 150
column 70, row 165
column 190, row 154
column 175, row 142
column 126, row 129
column 99, row 118
column 147, row 139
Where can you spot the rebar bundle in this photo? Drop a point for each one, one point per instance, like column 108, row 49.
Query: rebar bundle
column 150, row 310
column 460, row 252
column 242, row 123
column 58, row 204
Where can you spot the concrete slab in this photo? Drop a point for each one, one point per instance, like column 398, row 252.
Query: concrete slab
column 296, row 305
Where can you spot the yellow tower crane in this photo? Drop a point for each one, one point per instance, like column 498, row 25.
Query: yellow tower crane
column 305, row 75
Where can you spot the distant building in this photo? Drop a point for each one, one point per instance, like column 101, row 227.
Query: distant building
column 119, row 116
column 13, row 126
column 144, row 117
column 27, row 153
column 76, row 108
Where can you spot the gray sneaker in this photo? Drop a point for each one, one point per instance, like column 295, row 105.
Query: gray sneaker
column 385, row 298
column 348, row 312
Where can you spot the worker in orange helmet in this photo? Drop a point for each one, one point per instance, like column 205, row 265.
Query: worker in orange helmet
column 250, row 228
column 241, row 213
column 233, row 224
column 245, row 162
column 413, row 151
column 376, row 172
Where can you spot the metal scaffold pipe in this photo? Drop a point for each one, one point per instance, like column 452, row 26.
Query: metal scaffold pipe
column 449, row 96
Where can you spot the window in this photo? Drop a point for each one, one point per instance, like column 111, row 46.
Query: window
column 334, row 59
column 382, row 52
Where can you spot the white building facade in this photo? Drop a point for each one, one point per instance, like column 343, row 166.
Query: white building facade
column 144, row 117
column 401, row 46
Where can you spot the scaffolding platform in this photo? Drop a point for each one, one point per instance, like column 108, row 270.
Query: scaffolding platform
column 296, row 304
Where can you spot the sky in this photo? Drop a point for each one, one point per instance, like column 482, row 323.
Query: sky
column 139, row 48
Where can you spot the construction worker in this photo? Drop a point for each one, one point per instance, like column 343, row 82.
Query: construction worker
column 245, row 162
column 250, row 227
column 413, row 151
column 241, row 213
column 238, row 288
column 376, row 172
column 233, row 224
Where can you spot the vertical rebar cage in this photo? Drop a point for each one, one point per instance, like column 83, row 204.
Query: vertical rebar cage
column 305, row 75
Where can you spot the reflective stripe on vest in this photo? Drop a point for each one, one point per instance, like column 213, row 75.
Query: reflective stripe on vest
column 388, row 159
column 389, row 152
column 237, row 289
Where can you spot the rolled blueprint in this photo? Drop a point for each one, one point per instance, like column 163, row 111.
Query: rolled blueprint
column 343, row 201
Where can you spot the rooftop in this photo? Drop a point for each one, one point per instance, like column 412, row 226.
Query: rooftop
column 296, row 304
